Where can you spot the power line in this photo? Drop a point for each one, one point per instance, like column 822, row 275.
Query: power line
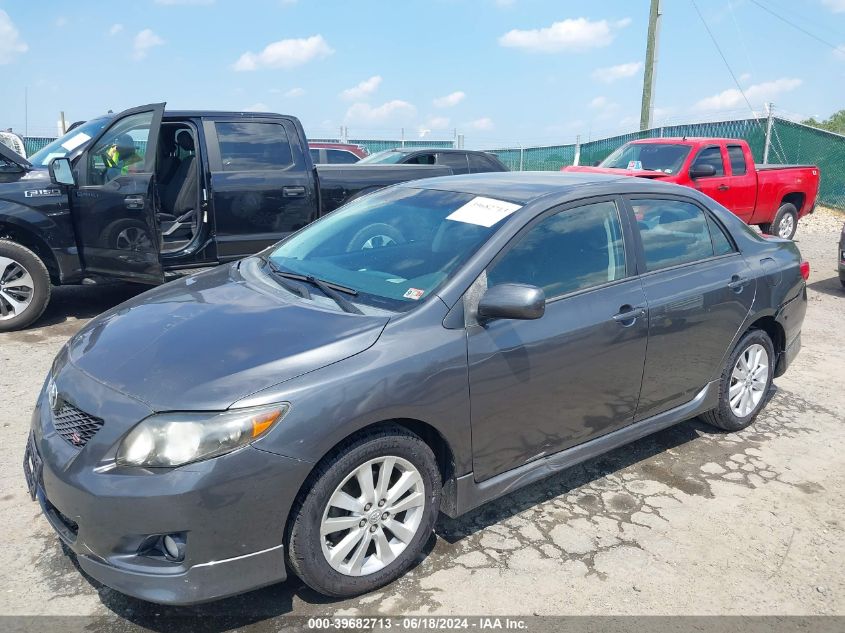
column 796, row 27
column 722, row 55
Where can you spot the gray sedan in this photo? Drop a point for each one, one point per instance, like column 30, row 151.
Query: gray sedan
column 424, row 349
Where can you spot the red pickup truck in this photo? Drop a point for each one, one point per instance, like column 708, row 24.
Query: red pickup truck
column 774, row 197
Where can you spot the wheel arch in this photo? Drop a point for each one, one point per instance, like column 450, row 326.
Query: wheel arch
column 29, row 238
column 796, row 199
column 426, row 432
column 777, row 334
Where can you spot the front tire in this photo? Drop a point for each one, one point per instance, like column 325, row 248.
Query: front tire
column 367, row 514
column 24, row 286
column 785, row 223
column 745, row 382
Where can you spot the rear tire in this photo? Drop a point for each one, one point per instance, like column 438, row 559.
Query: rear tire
column 745, row 382
column 24, row 286
column 785, row 223
column 373, row 550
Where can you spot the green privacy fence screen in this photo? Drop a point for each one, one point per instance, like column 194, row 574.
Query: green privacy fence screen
column 790, row 143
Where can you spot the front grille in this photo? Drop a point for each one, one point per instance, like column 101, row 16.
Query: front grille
column 74, row 425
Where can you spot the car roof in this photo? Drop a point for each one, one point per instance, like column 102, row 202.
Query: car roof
column 687, row 140
column 409, row 150
column 522, row 187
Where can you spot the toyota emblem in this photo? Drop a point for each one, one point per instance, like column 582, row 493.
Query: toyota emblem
column 53, row 395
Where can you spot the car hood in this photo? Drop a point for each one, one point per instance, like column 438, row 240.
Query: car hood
column 205, row 341
column 13, row 157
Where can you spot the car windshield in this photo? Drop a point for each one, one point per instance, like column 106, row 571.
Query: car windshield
column 63, row 145
column 665, row 157
column 394, row 247
column 387, row 157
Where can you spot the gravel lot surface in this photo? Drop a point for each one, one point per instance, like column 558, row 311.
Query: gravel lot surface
column 687, row 521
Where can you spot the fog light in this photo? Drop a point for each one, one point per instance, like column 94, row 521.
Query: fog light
column 174, row 547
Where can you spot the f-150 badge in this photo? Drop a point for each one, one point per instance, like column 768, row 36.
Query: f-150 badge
column 42, row 193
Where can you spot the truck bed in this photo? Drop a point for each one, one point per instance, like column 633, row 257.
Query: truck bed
column 774, row 167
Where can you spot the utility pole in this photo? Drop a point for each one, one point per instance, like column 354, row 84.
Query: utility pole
column 649, row 75
column 770, row 115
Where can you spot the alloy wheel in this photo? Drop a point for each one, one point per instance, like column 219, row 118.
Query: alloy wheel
column 372, row 516
column 786, row 226
column 748, row 380
column 16, row 288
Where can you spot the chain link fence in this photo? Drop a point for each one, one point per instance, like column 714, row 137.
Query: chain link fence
column 789, row 143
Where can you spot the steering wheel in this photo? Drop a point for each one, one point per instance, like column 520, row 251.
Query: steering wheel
column 374, row 236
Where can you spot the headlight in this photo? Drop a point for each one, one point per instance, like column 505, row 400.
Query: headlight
column 173, row 439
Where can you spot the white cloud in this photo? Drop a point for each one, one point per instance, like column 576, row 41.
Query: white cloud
column 11, row 43
column 362, row 90
column 389, row 112
column 451, row 99
column 602, row 107
column 744, row 78
column 257, row 107
column 837, row 6
column 572, row 34
column 115, row 29
column 144, row 41
column 286, row 54
column 438, row 122
column 295, row 92
column 484, row 123
column 839, row 52
column 756, row 95
column 609, row 74
column 171, row 3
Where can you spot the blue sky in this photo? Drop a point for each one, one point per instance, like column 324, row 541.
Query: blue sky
column 501, row 72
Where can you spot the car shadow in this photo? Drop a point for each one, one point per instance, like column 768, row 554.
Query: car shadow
column 829, row 286
column 85, row 302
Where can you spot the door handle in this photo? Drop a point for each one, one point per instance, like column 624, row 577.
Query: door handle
column 134, row 202
column 628, row 315
column 293, row 192
column 737, row 283
column 723, row 187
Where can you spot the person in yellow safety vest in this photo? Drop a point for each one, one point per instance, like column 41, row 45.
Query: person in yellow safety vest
column 121, row 157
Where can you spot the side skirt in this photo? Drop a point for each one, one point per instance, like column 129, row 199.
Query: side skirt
column 469, row 494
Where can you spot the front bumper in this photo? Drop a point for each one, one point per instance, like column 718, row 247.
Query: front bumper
column 231, row 509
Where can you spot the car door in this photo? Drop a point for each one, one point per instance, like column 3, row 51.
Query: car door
column 537, row 387
column 699, row 292
column 742, row 195
column 262, row 187
column 114, row 203
column 716, row 186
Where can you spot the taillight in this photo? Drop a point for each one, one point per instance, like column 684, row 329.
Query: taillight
column 805, row 270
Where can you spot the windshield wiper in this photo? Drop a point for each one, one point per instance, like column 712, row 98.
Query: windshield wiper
column 281, row 278
column 331, row 290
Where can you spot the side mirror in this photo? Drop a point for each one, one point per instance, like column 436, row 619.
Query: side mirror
column 512, row 301
column 702, row 171
column 61, row 173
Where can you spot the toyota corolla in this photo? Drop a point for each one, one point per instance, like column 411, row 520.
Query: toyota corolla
column 424, row 349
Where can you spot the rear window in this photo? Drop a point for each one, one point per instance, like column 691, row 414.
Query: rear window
column 340, row 157
column 248, row 146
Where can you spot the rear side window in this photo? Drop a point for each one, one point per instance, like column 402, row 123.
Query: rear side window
column 721, row 244
column 673, row 232
column 480, row 163
column 340, row 157
column 420, row 159
column 737, row 160
column 253, row 146
column 571, row 250
column 456, row 160
column 711, row 156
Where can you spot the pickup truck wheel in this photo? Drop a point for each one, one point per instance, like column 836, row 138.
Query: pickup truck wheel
column 24, row 286
column 369, row 511
column 745, row 382
column 785, row 223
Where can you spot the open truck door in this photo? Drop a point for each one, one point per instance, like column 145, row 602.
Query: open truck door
column 113, row 197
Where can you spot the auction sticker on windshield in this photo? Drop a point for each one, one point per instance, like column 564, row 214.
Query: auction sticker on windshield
column 414, row 293
column 483, row 211
column 75, row 141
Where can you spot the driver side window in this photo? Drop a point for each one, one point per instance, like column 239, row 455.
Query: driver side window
column 121, row 151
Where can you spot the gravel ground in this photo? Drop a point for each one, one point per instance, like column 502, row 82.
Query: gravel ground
column 687, row 521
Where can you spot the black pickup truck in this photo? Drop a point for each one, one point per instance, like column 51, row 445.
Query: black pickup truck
column 144, row 192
